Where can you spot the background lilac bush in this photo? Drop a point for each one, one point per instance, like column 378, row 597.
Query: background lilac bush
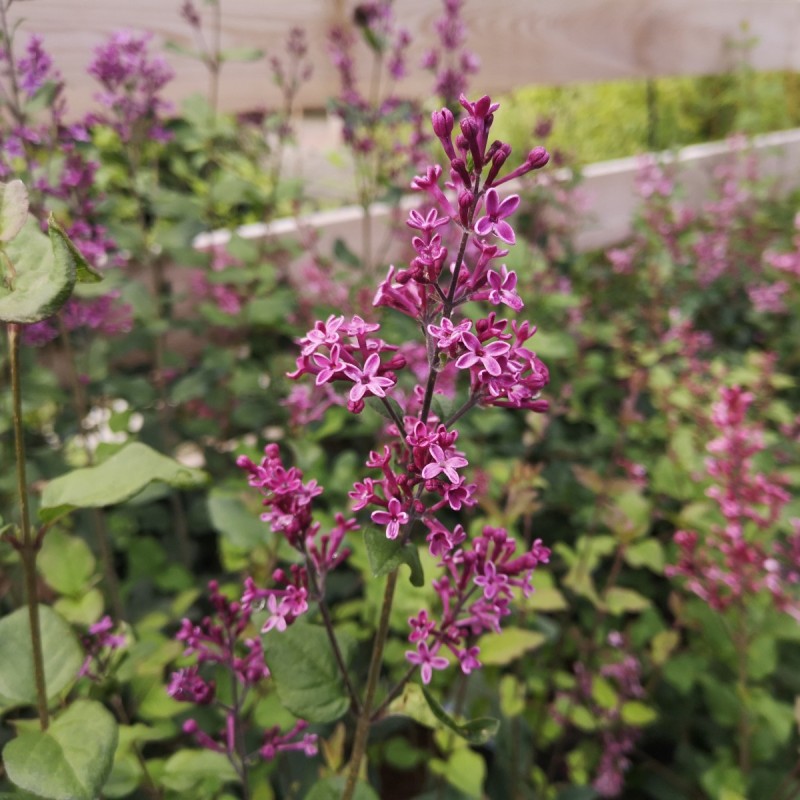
column 647, row 472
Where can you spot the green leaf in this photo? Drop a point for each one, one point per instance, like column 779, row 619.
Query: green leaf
column 116, row 480
column 62, row 656
column 581, row 717
column 512, row 696
column 412, row 703
column 625, row 601
column 188, row 770
column 333, row 788
column 235, row 521
column 241, row 54
column 498, row 649
column 179, row 49
column 71, row 759
column 45, row 275
column 84, row 272
column 465, row 770
column 635, row 713
column 305, row 673
column 13, row 209
column 589, row 550
column 386, row 555
column 647, row 553
column 84, row 608
column 683, row 670
column 662, row 645
column 603, row 692
column 475, row 731
column 66, row 563
column 344, row 254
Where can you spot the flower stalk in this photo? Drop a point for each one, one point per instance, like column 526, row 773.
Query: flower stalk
column 28, row 544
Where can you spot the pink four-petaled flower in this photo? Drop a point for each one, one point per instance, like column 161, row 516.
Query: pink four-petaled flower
column 483, row 354
column 494, row 220
column 367, row 379
column 448, row 334
column 503, row 288
column 393, row 517
column 426, row 660
column 447, row 462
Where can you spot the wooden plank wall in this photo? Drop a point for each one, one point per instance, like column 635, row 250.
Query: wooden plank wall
column 518, row 41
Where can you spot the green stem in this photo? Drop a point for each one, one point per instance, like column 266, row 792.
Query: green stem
column 150, row 787
column 29, row 544
column 162, row 301
column 239, row 757
column 364, row 718
column 334, row 642
column 81, row 407
column 742, row 644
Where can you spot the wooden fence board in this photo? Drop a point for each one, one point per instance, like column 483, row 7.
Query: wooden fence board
column 518, row 41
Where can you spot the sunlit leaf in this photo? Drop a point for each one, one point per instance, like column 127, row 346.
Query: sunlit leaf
column 71, row 759
column 116, row 480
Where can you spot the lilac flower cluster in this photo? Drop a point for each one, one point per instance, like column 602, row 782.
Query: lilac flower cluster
column 733, row 561
column 101, row 645
column 227, row 297
column 49, row 153
column 773, row 295
column 289, row 501
column 375, row 124
column 131, row 79
column 617, row 739
column 475, row 592
column 662, row 216
column 451, row 62
column 421, row 472
column 221, row 639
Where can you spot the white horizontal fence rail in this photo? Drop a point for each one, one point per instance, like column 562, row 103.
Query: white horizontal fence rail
column 609, row 188
column 519, row 42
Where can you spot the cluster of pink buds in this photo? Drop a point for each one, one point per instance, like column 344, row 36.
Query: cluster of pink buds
column 617, row 739
column 289, row 501
column 422, row 470
column 101, row 644
column 475, row 593
column 221, row 639
column 734, row 561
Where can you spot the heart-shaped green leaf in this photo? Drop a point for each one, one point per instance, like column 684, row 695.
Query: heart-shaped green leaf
column 62, row 656
column 70, row 760
column 306, row 677
column 84, row 272
column 13, row 209
column 386, row 555
column 43, row 279
column 116, row 480
column 476, row 731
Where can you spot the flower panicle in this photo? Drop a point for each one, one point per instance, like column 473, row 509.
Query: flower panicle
column 422, row 471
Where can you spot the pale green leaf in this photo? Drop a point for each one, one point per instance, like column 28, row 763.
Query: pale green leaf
column 116, row 480
column 13, row 209
column 305, row 673
column 71, row 759
column 498, row 649
column 61, row 652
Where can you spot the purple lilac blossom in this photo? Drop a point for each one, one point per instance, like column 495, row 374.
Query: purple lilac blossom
column 421, row 471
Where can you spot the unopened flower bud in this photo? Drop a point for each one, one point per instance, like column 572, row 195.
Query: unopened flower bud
column 537, row 157
column 443, row 122
column 465, row 202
